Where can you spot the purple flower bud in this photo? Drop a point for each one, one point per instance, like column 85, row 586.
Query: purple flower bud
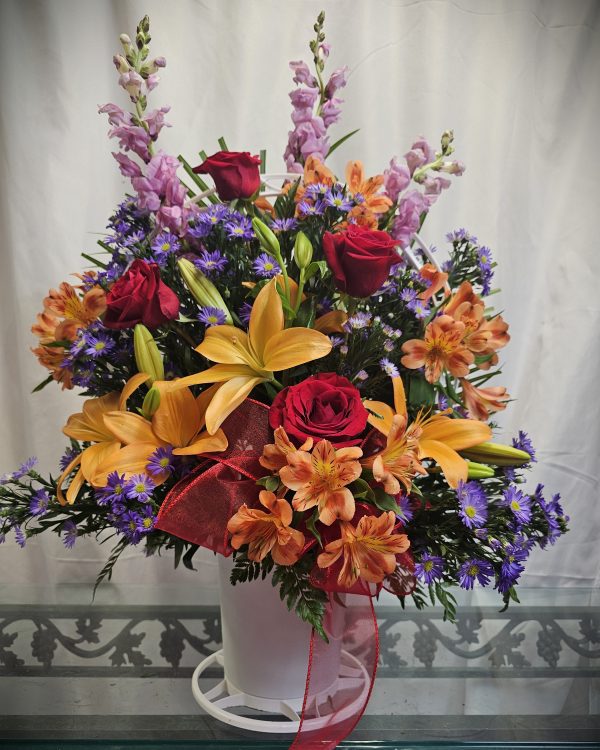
column 420, row 153
column 302, row 74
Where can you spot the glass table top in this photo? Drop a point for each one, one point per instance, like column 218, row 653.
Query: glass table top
column 116, row 672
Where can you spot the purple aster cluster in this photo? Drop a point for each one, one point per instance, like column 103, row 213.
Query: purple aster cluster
column 206, row 220
column 38, row 504
column 475, row 570
column 67, row 457
column 523, row 443
column 131, row 510
column 239, row 228
column 429, row 568
column 410, row 297
column 244, row 313
column 69, row 533
column 553, row 514
column 512, row 565
column 485, row 263
column 284, row 225
column 315, row 106
column 19, row 473
column 472, row 503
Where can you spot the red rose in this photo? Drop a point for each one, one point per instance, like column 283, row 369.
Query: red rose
column 140, row 296
column 360, row 259
column 324, row 407
column 235, row 173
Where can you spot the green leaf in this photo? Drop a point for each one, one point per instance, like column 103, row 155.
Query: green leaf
column 94, row 260
column 317, row 266
column 106, row 571
column 263, row 160
column 187, row 558
column 420, row 392
column 361, row 489
column 384, row 501
column 222, row 144
column 310, row 525
column 198, row 181
column 343, row 139
column 305, row 317
column 43, row 384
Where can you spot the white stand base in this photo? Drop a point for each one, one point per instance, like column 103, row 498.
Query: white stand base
column 219, row 700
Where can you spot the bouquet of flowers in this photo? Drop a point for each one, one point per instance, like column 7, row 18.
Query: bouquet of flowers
column 277, row 367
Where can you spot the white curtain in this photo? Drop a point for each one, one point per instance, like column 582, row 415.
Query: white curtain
column 517, row 80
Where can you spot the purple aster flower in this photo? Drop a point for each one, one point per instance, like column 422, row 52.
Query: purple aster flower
column 337, row 341
column 510, row 473
column 20, row 536
column 83, row 377
column 408, row 295
column 38, row 505
column 161, row 461
column 475, row 570
column 316, row 190
column 284, row 225
column 389, row 368
column 429, row 568
column 405, row 511
column 24, row 468
column 164, row 245
column 69, row 531
column 419, row 308
column 361, row 375
column 514, row 556
column 523, row 443
column 343, row 350
column 481, row 534
column 211, row 262
column 266, row 266
column 99, row 345
column 519, row 504
column 139, row 487
column 460, row 235
column 67, row 457
column 128, row 526
column 240, row 229
column 244, row 313
column 212, row 316
column 311, row 209
column 442, row 402
column 357, row 322
column 473, row 504
column 114, row 491
column 389, row 345
column 337, row 200
column 145, row 520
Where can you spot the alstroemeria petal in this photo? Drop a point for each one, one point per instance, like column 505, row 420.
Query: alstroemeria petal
column 130, row 428
column 456, row 433
column 229, row 396
column 294, row 347
column 453, row 466
column 266, row 318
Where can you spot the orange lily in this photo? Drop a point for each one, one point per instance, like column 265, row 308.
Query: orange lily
column 481, row 402
column 267, row 532
column 89, row 426
column 247, row 359
column 178, row 421
column 441, row 349
column 437, row 437
column 369, row 550
column 320, row 480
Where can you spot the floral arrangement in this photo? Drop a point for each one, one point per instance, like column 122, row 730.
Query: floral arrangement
column 311, row 299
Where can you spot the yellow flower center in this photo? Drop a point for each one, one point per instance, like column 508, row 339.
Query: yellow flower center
column 473, row 570
column 470, row 511
column 428, row 566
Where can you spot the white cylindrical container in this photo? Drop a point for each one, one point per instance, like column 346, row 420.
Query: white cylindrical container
column 265, row 647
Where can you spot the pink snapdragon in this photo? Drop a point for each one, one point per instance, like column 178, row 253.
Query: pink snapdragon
column 395, row 179
column 408, row 218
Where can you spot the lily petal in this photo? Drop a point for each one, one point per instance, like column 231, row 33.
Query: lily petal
column 130, row 428
column 229, row 396
column 94, row 456
column 215, row 374
column 294, row 347
column 204, row 444
column 226, row 345
column 130, row 460
column 453, row 466
column 382, row 416
column 266, row 318
column 131, row 386
column 177, row 418
column 59, row 482
column 457, row 433
column 399, row 396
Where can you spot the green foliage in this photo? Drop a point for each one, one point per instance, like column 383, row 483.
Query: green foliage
column 247, row 570
column 106, row 572
column 296, row 590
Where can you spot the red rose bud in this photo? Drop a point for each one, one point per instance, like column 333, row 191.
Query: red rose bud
column 360, row 259
column 235, row 173
column 325, row 406
column 140, row 296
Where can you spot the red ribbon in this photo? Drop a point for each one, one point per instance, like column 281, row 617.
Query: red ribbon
column 198, row 508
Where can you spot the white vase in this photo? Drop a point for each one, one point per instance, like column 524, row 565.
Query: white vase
column 266, row 647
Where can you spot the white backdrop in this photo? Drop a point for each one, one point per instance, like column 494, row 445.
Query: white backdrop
column 517, row 80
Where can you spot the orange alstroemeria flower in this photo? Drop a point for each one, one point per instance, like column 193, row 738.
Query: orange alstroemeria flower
column 441, row 349
column 481, row 402
column 267, row 532
column 247, row 359
column 437, row 280
column 275, row 454
column 437, row 437
column 483, row 337
column 369, row 550
column 88, row 426
column 320, row 478
column 76, row 311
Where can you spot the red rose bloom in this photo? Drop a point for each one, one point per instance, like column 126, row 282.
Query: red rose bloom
column 140, row 296
column 324, row 407
column 235, row 173
column 360, row 259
